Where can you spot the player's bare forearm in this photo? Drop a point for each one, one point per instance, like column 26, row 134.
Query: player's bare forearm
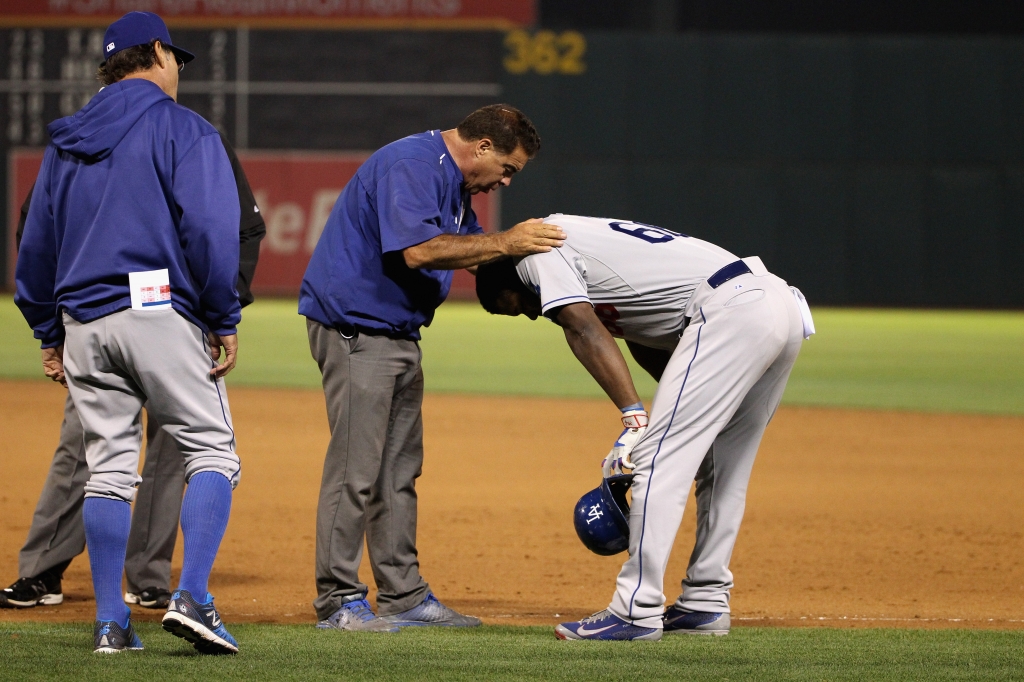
column 596, row 350
column 653, row 360
column 451, row 252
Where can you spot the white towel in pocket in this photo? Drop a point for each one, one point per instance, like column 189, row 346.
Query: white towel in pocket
column 805, row 312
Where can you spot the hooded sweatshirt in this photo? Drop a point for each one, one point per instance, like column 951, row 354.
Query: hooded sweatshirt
column 133, row 182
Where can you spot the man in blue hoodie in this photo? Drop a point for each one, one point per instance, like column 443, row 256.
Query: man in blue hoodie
column 126, row 273
column 57, row 535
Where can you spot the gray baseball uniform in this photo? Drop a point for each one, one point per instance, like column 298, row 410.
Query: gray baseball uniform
column 112, row 369
column 734, row 340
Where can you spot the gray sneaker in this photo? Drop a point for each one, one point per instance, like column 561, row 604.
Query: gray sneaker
column 356, row 616
column 432, row 612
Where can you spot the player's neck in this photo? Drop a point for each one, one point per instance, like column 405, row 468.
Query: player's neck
column 153, row 75
column 461, row 151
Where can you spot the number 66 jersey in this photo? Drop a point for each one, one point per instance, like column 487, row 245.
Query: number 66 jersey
column 638, row 277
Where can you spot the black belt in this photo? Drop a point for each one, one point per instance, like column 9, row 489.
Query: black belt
column 730, row 271
column 351, row 331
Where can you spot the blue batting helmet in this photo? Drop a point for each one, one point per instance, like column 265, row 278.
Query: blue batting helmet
column 600, row 516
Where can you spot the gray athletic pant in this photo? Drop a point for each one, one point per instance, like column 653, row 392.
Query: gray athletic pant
column 57, row 534
column 720, row 389
column 120, row 362
column 156, row 512
column 373, row 386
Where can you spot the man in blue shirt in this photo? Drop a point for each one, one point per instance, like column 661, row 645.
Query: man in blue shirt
column 382, row 266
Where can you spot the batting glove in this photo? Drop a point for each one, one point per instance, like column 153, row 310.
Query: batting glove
column 618, row 462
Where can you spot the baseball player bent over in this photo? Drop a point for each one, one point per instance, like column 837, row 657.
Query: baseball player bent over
column 382, row 266
column 57, row 534
column 720, row 335
column 126, row 273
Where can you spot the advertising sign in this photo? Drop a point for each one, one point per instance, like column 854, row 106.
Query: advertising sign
column 295, row 192
column 470, row 14
column 22, row 169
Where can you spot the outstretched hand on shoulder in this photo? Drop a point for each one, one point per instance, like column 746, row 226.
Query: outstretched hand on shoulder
column 532, row 236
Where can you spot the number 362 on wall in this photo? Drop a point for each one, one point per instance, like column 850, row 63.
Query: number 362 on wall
column 545, row 52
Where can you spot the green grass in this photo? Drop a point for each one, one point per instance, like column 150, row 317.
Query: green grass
column 951, row 361
column 19, row 352
column 889, row 359
column 467, row 350
column 278, row 652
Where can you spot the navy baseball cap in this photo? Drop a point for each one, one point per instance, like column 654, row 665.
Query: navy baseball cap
column 140, row 28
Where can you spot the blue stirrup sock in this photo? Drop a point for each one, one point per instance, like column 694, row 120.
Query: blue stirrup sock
column 107, row 523
column 204, row 518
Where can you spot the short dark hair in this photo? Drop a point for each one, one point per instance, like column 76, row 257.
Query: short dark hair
column 494, row 278
column 504, row 125
column 129, row 61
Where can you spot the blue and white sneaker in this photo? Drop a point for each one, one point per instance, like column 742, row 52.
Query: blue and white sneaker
column 679, row 621
column 198, row 624
column 110, row 638
column 605, row 625
column 356, row 616
column 429, row 612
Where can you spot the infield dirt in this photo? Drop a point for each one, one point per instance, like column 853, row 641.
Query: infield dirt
column 854, row 518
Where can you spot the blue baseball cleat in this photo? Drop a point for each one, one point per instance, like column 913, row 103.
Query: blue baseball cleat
column 605, row 625
column 679, row 621
column 432, row 612
column 198, row 624
column 110, row 638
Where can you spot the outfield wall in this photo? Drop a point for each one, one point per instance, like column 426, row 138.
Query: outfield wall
column 866, row 170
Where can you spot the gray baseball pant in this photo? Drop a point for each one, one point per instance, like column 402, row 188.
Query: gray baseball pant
column 57, row 534
column 120, row 362
column 373, row 387
column 720, row 389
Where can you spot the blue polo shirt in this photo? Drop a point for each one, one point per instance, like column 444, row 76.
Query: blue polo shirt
column 405, row 194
